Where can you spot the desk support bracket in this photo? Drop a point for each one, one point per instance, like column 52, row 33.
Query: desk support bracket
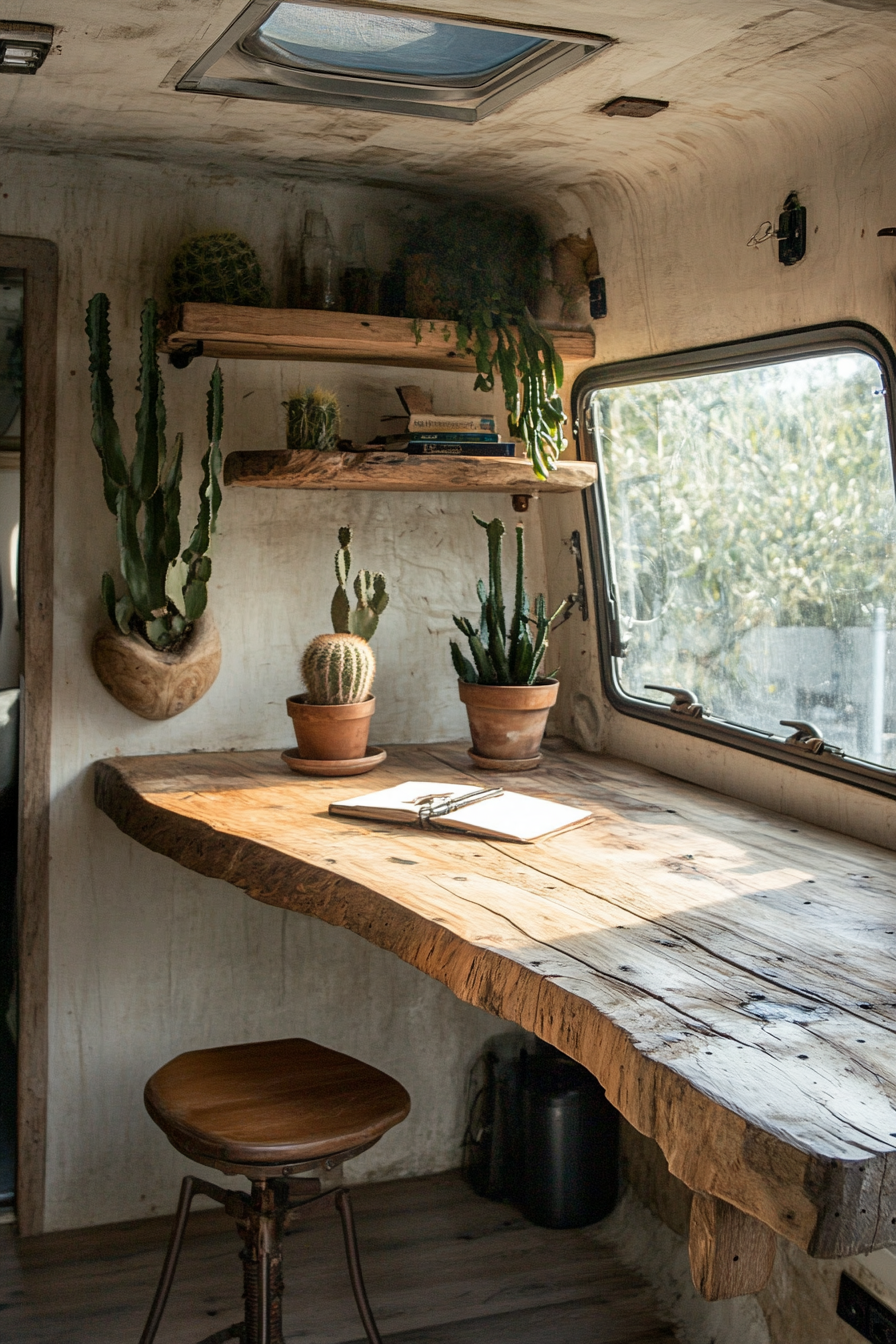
column 731, row 1253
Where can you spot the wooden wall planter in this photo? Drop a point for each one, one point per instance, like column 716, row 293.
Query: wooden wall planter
column 157, row 685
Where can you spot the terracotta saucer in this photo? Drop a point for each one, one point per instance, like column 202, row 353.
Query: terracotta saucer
column 373, row 757
column 509, row 767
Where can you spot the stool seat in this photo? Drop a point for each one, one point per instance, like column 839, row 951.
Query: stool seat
column 272, row 1104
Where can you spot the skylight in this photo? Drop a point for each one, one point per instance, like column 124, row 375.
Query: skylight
column 383, row 44
column 383, row 58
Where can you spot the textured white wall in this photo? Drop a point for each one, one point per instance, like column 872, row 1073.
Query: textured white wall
column 147, row 959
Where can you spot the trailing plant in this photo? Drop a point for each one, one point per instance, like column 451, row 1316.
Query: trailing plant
column 482, row 269
column 144, row 494
column 312, row 420
column 338, row 670
column 217, row 268
column 502, row 655
column 370, row 590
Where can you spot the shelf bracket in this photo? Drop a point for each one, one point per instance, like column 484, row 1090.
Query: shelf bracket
column 183, row 357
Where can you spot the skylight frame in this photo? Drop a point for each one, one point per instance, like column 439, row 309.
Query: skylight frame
column 451, row 98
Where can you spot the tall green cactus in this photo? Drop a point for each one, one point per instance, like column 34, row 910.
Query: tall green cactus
column 144, row 495
column 370, row 590
column 500, row 659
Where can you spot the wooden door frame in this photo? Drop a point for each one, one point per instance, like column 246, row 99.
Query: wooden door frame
column 38, row 258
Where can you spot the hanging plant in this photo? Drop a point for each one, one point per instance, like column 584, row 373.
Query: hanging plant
column 481, row 268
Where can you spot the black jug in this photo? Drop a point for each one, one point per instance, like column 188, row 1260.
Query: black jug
column 568, row 1174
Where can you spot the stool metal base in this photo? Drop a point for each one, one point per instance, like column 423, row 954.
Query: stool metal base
column 262, row 1217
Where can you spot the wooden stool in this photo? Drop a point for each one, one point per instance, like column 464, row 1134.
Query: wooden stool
column 269, row 1111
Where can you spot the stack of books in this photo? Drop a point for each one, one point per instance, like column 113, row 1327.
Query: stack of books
column 431, row 435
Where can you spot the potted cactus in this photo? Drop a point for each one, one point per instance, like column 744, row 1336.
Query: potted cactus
column 162, row 652
column 507, row 701
column 312, row 420
column 332, row 718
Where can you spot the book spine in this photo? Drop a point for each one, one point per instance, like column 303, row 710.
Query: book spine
column 451, row 424
column 416, row 449
column 443, row 437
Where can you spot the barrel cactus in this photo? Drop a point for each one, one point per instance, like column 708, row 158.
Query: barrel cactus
column 338, row 670
column 217, row 268
column 312, row 420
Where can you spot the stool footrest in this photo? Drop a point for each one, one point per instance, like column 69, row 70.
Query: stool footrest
column 235, row 1331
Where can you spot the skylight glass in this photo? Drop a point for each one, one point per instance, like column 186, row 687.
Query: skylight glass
column 387, row 44
column 370, row 55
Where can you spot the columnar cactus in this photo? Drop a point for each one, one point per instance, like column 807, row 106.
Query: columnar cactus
column 144, row 494
column 370, row 590
column 338, row 670
column 502, row 657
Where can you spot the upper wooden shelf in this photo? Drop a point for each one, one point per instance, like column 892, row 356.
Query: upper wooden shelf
column 282, row 469
column 225, row 331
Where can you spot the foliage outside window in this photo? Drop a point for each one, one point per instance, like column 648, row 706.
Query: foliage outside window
column 751, row 524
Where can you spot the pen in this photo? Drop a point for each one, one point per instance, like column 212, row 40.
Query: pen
column 428, row 811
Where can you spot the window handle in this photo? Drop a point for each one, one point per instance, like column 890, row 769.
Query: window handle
column 683, row 701
column 808, row 738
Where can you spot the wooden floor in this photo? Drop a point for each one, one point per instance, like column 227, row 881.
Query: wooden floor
column 442, row 1267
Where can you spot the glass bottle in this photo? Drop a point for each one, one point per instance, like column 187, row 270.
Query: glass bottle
column 320, row 263
column 360, row 290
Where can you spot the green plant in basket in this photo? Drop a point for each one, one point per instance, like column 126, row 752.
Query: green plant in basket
column 503, row 655
column 481, row 268
column 144, row 494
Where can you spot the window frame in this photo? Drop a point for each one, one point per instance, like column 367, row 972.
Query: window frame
column 382, row 93
column 774, row 348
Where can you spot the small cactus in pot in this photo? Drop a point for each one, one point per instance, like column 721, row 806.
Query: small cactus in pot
column 506, row 697
column 312, row 421
column 332, row 718
column 338, row 670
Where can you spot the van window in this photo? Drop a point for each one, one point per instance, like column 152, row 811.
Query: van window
column 749, row 538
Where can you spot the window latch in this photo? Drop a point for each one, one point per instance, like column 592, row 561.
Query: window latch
column 580, row 597
column 807, row 737
column 683, row 701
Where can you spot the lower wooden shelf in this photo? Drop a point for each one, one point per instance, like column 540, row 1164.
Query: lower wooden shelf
column 282, row 469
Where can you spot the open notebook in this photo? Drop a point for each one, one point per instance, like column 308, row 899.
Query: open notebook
column 512, row 816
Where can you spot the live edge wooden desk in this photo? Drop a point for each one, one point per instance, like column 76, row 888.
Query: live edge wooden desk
column 728, row 974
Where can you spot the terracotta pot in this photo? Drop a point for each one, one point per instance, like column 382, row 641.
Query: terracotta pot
column 508, row 722
column 152, row 684
column 331, row 732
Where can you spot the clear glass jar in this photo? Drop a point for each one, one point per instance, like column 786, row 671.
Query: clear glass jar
column 320, row 263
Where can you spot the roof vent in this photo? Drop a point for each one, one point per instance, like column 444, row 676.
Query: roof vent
column 634, row 107
column 24, row 46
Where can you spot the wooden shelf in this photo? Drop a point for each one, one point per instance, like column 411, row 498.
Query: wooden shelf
column 224, row 331
column 281, row 469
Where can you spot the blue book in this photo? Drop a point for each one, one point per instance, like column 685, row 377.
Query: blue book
column 455, row 438
column 441, row 448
